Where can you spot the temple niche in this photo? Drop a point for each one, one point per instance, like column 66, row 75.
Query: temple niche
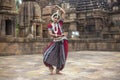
column 7, row 18
column 30, row 22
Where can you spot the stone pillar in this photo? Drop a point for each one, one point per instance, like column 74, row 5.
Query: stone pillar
column 3, row 28
column 98, row 24
column 34, row 30
column 0, row 24
column 41, row 31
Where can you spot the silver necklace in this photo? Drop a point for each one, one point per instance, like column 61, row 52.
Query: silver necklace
column 55, row 28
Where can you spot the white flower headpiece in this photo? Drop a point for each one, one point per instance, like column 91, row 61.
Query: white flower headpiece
column 56, row 14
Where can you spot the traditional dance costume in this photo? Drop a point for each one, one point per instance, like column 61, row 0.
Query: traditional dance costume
column 56, row 53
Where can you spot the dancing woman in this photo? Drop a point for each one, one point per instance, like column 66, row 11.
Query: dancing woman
column 56, row 53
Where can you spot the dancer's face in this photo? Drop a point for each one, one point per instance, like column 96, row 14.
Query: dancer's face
column 56, row 19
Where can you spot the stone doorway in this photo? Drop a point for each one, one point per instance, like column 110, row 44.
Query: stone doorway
column 90, row 28
column 45, row 34
column 8, row 27
column 37, row 30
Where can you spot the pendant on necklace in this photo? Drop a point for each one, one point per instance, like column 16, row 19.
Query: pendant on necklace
column 55, row 29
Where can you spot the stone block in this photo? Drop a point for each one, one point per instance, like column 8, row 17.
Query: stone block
column 118, row 46
column 92, row 46
column 101, row 46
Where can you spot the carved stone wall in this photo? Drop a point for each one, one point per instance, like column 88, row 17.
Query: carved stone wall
column 94, row 19
column 26, row 46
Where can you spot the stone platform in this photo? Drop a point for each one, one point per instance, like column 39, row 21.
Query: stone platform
column 81, row 65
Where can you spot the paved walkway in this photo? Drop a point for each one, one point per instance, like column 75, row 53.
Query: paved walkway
column 83, row 65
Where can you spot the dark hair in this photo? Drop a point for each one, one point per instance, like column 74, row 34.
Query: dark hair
column 56, row 15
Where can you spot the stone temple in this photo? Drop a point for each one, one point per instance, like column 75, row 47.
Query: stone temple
column 91, row 18
column 90, row 24
column 94, row 18
column 8, row 18
column 30, row 19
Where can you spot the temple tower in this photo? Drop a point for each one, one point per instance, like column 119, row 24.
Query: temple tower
column 114, row 27
column 30, row 22
column 7, row 18
column 92, row 17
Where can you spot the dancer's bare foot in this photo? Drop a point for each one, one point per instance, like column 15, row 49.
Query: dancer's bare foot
column 58, row 71
column 51, row 70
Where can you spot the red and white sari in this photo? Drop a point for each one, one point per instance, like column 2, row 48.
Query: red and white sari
column 56, row 53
